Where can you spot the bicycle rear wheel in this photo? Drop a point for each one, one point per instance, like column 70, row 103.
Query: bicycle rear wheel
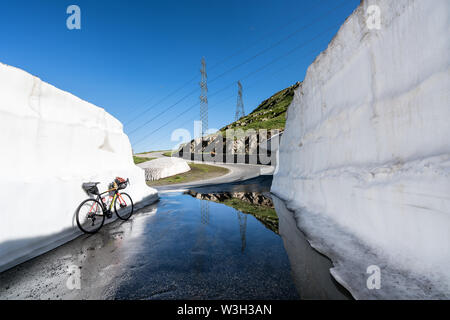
column 123, row 206
column 90, row 216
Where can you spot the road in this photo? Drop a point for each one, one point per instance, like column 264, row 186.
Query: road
column 237, row 172
column 168, row 250
column 107, row 262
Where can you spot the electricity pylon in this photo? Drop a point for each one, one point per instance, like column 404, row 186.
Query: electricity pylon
column 204, row 211
column 242, row 217
column 240, row 104
column 204, row 99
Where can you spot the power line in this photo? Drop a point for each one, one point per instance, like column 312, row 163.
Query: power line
column 162, row 100
column 246, row 76
column 164, row 111
column 216, row 65
column 227, row 98
column 180, row 114
column 247, row 87
column 229, row 70
column 136, row 105
column 263, row 37
column 278, row 42
column 231, row 96
column 237, row 66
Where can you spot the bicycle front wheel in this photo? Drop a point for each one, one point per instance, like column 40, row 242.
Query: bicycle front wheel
column 123, row 206
column 90, row 216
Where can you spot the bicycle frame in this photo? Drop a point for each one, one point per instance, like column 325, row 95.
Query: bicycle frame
column 100, row 199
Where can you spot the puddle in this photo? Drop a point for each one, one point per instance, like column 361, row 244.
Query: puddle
column 257, row 204
column 231, row 241
column 208, row 250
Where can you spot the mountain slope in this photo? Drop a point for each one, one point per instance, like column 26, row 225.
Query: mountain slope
column 270, row 114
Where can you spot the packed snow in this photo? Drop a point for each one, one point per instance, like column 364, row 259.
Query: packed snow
column 51, row 143
column 365, row 157
column 164, row 167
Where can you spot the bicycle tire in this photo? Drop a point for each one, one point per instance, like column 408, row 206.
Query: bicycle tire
column 117, row 206
column 101, row 217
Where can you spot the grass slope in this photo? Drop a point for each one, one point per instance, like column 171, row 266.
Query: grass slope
column 270, row 114
column 266, row 215
column 152, row 151
column 198, row 172
column 138, row 160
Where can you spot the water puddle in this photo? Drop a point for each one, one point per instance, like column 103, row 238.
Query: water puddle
column 230, row 241
column 310, row 270
column 207, row 249
column 257, row 204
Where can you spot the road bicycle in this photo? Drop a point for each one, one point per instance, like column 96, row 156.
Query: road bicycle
column 91, row 213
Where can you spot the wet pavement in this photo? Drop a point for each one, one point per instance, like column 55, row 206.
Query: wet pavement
column 182, row 248
column 202, row 251
column 178, row 248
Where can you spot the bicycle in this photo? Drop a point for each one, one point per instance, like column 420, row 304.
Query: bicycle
column 91, row 212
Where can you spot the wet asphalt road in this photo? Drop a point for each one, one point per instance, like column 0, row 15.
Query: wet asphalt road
column 178, row 248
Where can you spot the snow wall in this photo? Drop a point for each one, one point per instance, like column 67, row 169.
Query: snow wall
column 164, row 167
column 51, row 143
column 365, row 157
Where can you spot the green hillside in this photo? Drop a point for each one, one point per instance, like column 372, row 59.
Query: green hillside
column 270, row 114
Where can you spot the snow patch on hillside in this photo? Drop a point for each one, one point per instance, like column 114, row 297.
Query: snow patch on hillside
column 164, row 167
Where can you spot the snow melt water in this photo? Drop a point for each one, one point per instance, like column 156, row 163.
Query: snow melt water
column 51, row 143
column 365, row 157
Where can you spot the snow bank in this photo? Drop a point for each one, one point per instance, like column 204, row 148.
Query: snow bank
column 365, row 157
column 164, row 167
column 51, row 143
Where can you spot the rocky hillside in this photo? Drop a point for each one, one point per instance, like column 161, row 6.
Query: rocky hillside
column 270, row 114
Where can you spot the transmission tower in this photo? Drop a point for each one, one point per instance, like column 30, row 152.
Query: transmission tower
column 240, row 104
column 204, row 211
column 242, row 217
column 204, row 99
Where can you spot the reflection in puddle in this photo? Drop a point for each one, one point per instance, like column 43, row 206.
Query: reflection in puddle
column 257, row 204
column 204, row 212
column 205, row 250
column 310, row 269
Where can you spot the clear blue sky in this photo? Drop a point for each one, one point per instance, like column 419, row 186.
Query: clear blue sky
column 129, row 55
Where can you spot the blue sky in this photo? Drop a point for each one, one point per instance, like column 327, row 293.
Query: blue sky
column 130, row 55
